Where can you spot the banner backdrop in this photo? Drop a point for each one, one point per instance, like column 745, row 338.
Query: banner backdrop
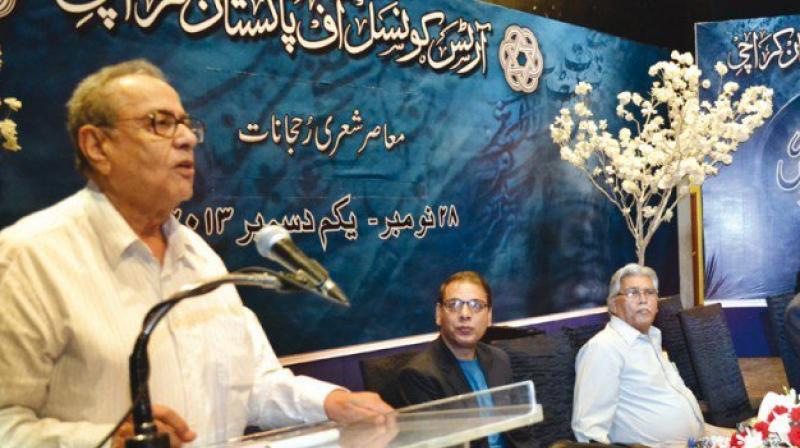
column 751, row 211
column 385, row 136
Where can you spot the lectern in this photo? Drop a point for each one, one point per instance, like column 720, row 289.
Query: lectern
column 449, row 422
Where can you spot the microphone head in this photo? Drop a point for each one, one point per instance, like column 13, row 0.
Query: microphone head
column 274, row 242
column 267, row 237
column 335, row 294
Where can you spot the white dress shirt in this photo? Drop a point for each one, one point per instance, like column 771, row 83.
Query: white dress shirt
column 75, row 284
column 627, row 391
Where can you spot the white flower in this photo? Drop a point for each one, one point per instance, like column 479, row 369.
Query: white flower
column 597, row 171
column 624, row 98
column 730, row 87
column 582, row 88
column 772, row 399
column 13, row 103
column 630, row 187
column 751, row 439
column 706, row 84
column 781, row 426
column 8, row 130
column 720, row 68
column 582, row 111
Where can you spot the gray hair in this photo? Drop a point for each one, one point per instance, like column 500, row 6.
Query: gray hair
column 91, row 102
column 629, row 270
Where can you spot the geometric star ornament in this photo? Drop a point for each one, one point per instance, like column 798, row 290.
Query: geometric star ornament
column 521, row 59
column 6, row 6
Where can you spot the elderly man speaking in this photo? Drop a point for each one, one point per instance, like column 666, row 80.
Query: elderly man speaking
column 77, row 278
column 626, row 389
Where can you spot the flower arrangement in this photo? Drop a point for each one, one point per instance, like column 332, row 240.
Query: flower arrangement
column 8, row 128
column 776, row 425
column 669, row 140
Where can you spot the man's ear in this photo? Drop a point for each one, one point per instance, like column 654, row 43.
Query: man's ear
column 490, row 316
column 438, row 315
column 94, row 144
column 613, row 307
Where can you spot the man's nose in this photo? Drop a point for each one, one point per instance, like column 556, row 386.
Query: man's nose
column 185, row 138
column 465, row 312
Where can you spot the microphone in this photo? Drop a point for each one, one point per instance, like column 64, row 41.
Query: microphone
column 275, row 243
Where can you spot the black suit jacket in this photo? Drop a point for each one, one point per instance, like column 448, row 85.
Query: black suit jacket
column 434, row 373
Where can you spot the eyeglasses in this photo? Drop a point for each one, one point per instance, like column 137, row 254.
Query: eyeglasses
column 636, row 293
column 456, row 305
column 165, row 124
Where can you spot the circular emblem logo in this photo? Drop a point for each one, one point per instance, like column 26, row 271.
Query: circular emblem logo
column 6, row 6
column 521, row 59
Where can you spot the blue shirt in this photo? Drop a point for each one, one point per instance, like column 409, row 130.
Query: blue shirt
column 477, row 382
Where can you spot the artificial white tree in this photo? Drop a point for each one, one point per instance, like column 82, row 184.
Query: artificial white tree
column 670, row 140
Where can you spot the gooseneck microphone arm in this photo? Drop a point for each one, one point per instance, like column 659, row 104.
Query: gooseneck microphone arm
column 147, row 435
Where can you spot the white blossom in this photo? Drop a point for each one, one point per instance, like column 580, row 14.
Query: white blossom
column 678, row 141
column 582, row 111
column 750, row 439
column 13, row 103
column 781, row 425
column 8, row 128
column 582, row 88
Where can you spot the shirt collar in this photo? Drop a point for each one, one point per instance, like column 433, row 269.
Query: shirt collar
column 116, row 235
column 180, row 246
column 630, row 334
column 113, row 232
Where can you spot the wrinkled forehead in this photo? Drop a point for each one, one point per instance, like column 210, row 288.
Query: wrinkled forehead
column 636, row 281
column 137, row 94
column 464, row 289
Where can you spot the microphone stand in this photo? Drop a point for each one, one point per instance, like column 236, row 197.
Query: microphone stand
column 147, row 435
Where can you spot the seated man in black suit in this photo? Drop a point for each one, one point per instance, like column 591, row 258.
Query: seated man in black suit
column 457, row 362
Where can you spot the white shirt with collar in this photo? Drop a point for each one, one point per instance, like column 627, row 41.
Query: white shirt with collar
column 75, row 284
column 627, row 391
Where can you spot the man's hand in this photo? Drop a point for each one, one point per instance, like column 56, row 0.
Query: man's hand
column 167, row 421
column 342, row 406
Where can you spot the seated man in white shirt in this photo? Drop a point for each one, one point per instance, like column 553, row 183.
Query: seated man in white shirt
column 77, row 278
column 626, row 389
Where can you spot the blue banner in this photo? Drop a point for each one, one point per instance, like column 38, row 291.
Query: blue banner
column 386, row 136
column 751, row 209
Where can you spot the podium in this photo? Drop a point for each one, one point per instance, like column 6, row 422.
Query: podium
column 448, row 422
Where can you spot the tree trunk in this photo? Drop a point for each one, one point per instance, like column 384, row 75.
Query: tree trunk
column 641, row 247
